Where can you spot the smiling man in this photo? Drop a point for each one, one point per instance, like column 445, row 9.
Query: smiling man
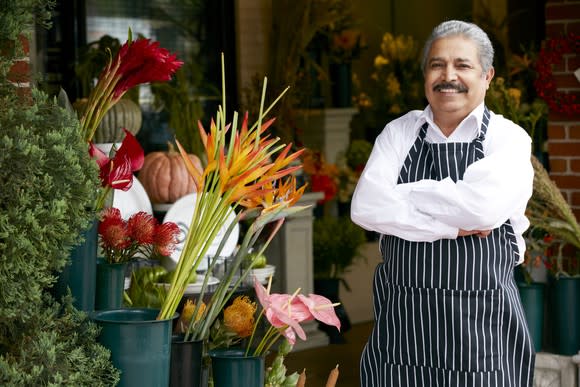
column 447, row 189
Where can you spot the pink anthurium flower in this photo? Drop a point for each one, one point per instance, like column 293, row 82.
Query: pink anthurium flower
column 321, row 308
column 281, row 314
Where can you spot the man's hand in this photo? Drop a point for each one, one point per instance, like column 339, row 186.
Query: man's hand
column 479, row 233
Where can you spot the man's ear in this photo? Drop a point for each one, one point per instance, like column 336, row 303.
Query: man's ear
column 489, row 76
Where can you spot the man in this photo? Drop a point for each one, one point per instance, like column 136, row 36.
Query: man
column 447, row 188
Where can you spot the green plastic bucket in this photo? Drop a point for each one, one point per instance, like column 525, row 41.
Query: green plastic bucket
column 566, row 316
column 79, row 274
column 140, row 345
column 230, row 368
column 110, row 285
column 532, row 296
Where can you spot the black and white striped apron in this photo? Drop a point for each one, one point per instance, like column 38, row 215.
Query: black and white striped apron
column 447, row 313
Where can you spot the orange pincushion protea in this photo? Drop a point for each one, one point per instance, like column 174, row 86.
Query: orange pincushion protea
column 239, row 317
column 187, row 315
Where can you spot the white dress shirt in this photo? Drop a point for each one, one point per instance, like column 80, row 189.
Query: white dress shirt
column 493, row 190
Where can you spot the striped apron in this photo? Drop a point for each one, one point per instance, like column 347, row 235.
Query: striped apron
column 447, row 313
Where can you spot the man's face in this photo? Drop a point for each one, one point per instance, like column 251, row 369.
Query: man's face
column 454, row 81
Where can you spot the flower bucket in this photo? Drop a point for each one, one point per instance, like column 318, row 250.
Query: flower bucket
column 140, row 345
column 566, row 315
column 532, row 296
column 230, row 368
column 187, row 368
column 110, row 285
column 79, row 275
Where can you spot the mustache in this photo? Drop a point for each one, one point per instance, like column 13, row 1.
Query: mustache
column 450, row 86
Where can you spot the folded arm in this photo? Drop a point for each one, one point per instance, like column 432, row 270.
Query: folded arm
column 378, row 206
column 491, row 190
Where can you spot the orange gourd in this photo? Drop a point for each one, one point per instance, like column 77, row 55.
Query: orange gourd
column 165, row 177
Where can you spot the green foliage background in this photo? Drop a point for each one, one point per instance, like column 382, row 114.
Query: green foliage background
column 48, row 182
column 335, row 245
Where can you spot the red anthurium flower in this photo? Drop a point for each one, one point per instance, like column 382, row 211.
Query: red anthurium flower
column 117, row 172
column 143, row 61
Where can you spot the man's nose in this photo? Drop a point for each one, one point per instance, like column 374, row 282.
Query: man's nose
column 449, row 73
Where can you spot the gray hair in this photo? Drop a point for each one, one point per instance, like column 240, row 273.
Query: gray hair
column 467, row 30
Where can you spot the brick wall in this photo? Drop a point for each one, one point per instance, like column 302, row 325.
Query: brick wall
column 563, row 17
column 19, row 73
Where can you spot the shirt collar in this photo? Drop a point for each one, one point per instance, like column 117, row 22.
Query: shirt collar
column 473, row 120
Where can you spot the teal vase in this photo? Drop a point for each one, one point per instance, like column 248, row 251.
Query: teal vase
column 532, row 297
column 230, row 368
column 566, row 315
column 79, row 275
column 140, row 345
column 110, row 285
column 187, row 358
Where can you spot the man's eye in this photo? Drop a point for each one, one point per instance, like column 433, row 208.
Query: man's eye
column 436, row 65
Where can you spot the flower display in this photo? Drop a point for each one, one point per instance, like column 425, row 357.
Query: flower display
column 249, row 173
column 551, row 54
column 350, row 165
column 137, row 62
column 283, row 312
column 117, row 172
column 141, row 235
column 322, row 176
column 345, row 46
column 550, row 214
column 508, row 100
column 396, row 64
column 394, row 87
column 512, row 94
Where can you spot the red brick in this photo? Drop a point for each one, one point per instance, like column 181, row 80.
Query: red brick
column 20, row 72
column 569, row 148
column 7, row 48
column 574, row 165
column 573, row 27
column 25, row 94
column 561, row 117
column 572, row 62
column 577, row 213
column 566, row 181
column 575, row 198
column 556, row 132
column 555, row 29
column 566, row 80
column 559, row 67
column 558, row 165
column 573, row 132
column 25, row 44
column 562, row 11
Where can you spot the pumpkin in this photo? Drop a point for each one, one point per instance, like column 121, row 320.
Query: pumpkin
column 124, row 114
column 164, row 176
